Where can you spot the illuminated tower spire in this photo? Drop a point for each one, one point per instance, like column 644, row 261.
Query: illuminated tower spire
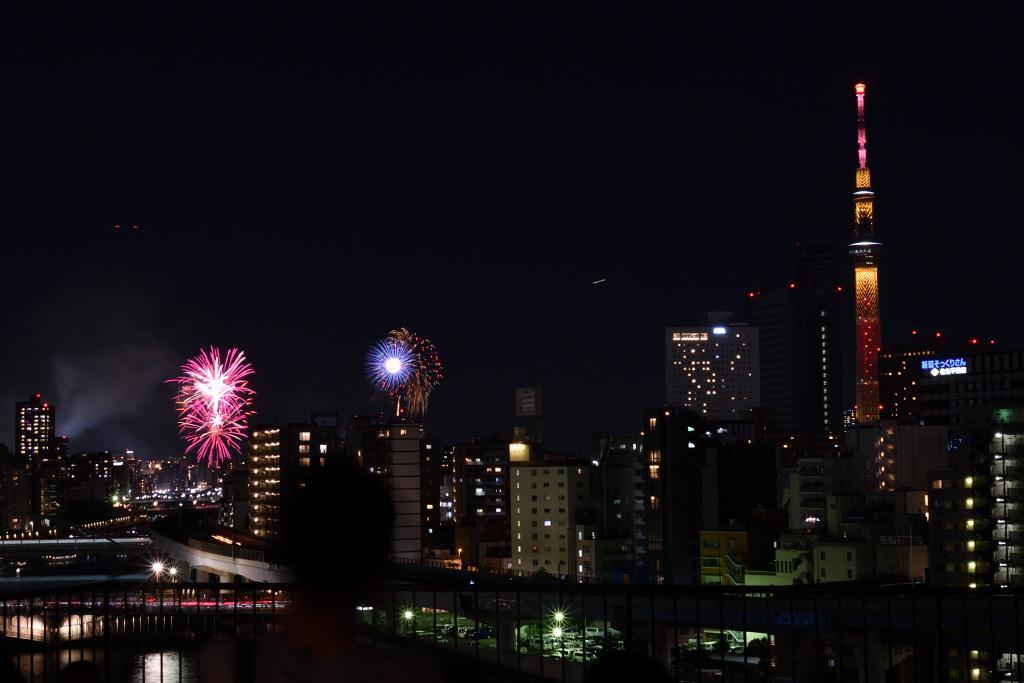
column 864, row 251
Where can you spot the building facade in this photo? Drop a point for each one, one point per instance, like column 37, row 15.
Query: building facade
column 681, row 482
column 977, row 511
column 938, row 383
column 800, row 346
column 546, row 497
column 396, row 451
column 282, row 459
column 713, row 370
column 34, row 427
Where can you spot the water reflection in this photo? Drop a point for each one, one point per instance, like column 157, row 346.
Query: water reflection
column 173, row 665
column 169, row 666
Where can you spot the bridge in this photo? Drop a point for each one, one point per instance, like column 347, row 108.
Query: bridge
column 531, row 631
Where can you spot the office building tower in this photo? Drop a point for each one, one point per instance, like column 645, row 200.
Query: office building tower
column 899, row 371
column 800, row 347
column 934, row 383
column 33, row 427
column 714, row 369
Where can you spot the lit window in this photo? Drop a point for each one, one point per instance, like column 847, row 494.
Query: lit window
column 304, row 436
column 323, row 449
column 304, row 462
column 547, row 522
column 304, row 448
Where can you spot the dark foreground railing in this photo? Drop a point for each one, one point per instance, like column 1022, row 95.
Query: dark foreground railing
column 556, row 632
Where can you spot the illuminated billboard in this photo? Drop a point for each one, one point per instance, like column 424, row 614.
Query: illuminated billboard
column 937, row 367
column 689, row 336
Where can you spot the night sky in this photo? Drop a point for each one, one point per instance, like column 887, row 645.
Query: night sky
column 306, row 182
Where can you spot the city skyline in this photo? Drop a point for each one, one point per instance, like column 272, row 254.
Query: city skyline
column 475, row 343
column 505, row 257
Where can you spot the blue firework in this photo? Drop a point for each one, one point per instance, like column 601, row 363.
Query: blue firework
column 390, row 364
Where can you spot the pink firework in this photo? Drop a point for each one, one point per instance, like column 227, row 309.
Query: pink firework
column 213, row 404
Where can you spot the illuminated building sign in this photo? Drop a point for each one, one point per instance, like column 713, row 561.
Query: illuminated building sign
column 719, row 330
column 689, row 336
column 945, row 366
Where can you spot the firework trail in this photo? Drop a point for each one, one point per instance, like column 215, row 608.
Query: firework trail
column 213, row 404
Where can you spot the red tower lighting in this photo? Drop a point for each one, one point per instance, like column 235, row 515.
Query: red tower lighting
column 864, row 251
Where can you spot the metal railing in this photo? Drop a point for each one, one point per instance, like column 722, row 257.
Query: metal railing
column 529, row 631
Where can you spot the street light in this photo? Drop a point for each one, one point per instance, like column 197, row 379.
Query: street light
column 158, row 569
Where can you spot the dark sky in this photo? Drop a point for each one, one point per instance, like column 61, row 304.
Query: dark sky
column 307, row 181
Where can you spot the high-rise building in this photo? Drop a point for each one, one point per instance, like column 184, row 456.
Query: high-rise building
column 48, row 482
column 977, row 510
column 864, row 251
column 701, row 475
column 935, row 383
column 546, row 498
column 33, row 427
column 481, row 469
column 714, row 369
column 682, row 493
column 282, row 459
column 396, row 451
column 15, row 491
column 898, row 377
column 431, row 475
column 481, row 506
column 617, row 544
column 800, row 346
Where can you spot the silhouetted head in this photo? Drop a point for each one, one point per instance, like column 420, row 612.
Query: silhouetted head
column 616, row 667
column 337, row 532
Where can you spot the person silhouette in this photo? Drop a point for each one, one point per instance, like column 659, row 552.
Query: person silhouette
column 336, row 536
